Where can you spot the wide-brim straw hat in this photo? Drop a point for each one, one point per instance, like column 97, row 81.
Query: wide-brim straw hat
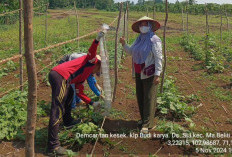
column 155, row 24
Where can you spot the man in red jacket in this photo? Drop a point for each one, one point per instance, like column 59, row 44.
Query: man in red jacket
column 61, row 77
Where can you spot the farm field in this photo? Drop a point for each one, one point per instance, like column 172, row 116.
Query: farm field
column 194, row 100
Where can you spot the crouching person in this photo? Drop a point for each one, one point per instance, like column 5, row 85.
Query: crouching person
column 61, row 77
column 92, row 82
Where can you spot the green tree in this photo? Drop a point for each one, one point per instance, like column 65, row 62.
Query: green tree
column 140, row 2
column 191, row 2
column 104, row 4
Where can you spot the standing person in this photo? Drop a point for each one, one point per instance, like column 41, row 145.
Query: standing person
column 146, row 52
column 92, row 82
column 61, row 77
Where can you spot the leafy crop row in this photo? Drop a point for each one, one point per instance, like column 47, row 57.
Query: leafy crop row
column 173, row 106
column 214, row 55
column 192, row 46
column 13, row 114
column 10, row 67
column 171, row 102
column 90, row 125
column 13, row 111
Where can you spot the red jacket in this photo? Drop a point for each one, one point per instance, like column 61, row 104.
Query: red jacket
column 78, row 70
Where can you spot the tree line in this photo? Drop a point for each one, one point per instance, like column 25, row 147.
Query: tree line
column 143, row 5
column 177, row 7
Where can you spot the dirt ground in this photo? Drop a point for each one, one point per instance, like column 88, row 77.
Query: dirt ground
column 128, row 106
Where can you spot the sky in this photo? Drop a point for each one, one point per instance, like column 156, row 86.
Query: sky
column 198, row 1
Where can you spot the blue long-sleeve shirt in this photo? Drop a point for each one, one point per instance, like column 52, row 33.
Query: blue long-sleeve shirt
column 92, row 84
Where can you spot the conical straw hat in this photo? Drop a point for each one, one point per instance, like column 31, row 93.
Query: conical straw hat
column 155, row 24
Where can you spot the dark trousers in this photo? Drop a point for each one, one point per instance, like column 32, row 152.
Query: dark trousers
column 146, row 96
column 62, row 95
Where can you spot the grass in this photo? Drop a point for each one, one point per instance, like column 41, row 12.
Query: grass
column 131, row 88
column 172, row 69
column 223, row 95
column 229, row 121
column 59, row 30
column 210, row 77
column 65, row 30
column 197, row 67
column 220, row 93
column 116, row 114
column 131, row 91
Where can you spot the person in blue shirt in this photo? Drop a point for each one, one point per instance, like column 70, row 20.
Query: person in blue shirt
column 92, row 82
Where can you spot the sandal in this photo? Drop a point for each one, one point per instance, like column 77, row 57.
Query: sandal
column 144, row 130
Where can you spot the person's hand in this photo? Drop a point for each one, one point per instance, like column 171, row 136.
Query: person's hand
column 80, row 103
column 96, row 106
column 122, row 41
column 100, row 35
column 156, row 80
column 98, row 87
column 96, row 103
column 102, row 97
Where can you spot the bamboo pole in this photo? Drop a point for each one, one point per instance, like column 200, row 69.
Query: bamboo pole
column 164, row 45
column 116, row 53
column 20, row 44
column 46, row 24
column 32, row 78
column 77, row 21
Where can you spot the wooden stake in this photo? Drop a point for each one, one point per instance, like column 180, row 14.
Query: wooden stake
column 207, row 23
column 221, row 33
column 154, row 10
column 182, row 19
column 206, row 33
column 116, row 53
column 124, row 31
column 228, row 28
column 187, row 21
column 32, row 78
column 46, row 24
column 227, row 20
column 77, row 23
column 20, row 44
column 147, row 13
column 127, row 19
column 164, row 45
column 133, row 68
